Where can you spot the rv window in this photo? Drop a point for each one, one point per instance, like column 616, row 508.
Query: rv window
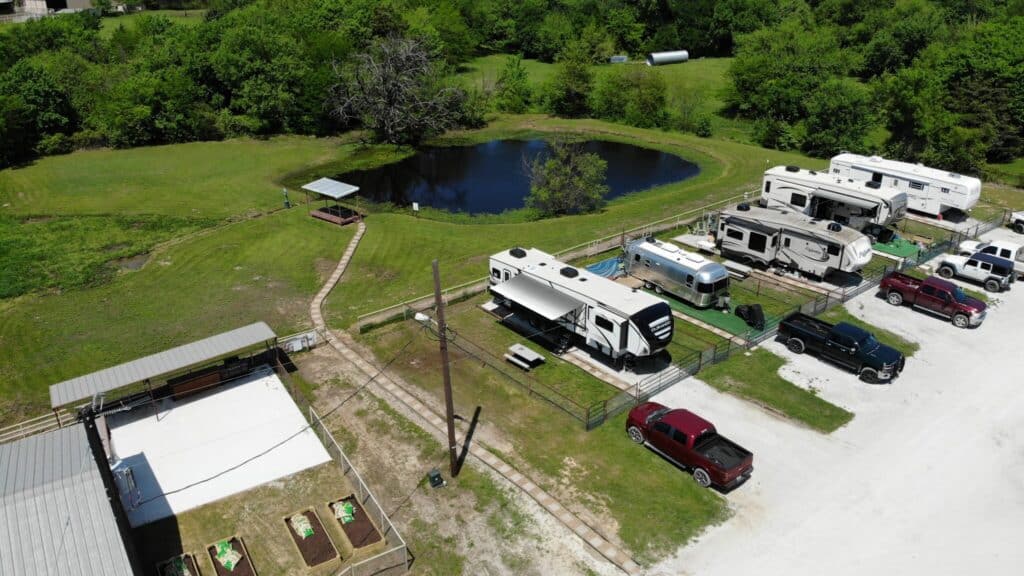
column 604, row 324
column 767, row 187
column 917, row 185
column 689, row 280
column 722, row 284
column 735, row 234
column 833, row 249
column 703, row 288
column 775, row 241
column 945, row 190
column 798, row 200
column 785, row 242
column 507, row 275
column 876, row 177
column 496, row 274
column 636, row 258
column 835, row 170
column 757, row 242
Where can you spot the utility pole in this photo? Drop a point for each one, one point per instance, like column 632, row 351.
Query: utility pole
column 442, row 333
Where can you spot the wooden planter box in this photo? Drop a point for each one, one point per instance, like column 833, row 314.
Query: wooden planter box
column 318, row 548
column 190, row 562
column 361, row 532
column 244, row 566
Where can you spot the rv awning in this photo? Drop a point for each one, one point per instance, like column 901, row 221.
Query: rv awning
column 331, row 188
column 544, row 300
column 845, row 199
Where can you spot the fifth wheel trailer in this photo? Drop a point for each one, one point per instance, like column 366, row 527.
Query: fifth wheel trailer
column 823, row 195
column 621, row 322
column 756, row 235
column 686, row 275
column 929, row 190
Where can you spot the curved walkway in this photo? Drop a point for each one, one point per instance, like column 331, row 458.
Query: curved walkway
column 395, row 387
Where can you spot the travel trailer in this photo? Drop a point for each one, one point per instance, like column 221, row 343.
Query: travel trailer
column 929, row 190
column 664, row 266
column 822, row 195
column 756, row 235
column 621, row 322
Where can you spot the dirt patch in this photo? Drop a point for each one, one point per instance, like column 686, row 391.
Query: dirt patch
column 130, row 262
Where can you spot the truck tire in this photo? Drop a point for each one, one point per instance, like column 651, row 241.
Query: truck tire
column 992, row 285
column 946, row 272
column 961, row 320
column 636, row 434
column 869, row 375
column 894, row 297
column 702, row 477
column 796, row 345
column 1019, row 227
column 648, row 285
column 657, row 289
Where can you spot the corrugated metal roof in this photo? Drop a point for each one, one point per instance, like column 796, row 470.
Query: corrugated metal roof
column 55, row 519
column 160, row 364
column 331, row 188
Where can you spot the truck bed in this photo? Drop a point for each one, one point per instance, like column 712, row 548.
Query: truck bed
column 904, row 281
column 808, row 324
column 724, row 452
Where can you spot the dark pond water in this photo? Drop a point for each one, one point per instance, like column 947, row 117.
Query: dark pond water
column 490, row 178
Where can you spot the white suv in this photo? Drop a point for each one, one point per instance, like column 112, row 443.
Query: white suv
column 1005, row 250
column 993, row 272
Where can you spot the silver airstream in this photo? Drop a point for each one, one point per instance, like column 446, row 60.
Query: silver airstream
column 666, row 267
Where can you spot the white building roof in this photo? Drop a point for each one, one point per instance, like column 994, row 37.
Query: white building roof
column 545, row 268
column 331, row 188
column 55, row 518
column 161, row 363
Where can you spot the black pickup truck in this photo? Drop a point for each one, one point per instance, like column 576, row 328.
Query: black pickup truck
column 851, row 347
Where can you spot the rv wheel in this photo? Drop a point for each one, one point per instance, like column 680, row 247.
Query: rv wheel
column 629, row 362
column 657, row 289
column 648, row 285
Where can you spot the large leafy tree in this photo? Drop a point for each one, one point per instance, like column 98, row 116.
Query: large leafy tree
column 568, row 92
column 839, row 115
column 567, row 181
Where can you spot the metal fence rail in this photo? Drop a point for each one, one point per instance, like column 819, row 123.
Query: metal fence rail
column 393, row 560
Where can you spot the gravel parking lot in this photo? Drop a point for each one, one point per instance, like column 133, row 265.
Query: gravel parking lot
column 927, row 479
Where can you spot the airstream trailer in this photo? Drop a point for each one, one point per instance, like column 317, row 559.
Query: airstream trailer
column 665, row 267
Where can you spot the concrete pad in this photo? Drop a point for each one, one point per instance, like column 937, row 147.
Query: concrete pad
column 202, row 436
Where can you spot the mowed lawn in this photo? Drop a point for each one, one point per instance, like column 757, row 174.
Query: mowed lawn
column 130, row 21
column 197, row 180
column 260, row 269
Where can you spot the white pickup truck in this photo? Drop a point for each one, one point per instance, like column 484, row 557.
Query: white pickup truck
column 994, row 273
column 1005, row 250
column 1017, row 222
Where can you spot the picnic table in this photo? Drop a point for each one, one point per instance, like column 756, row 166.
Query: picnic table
column 523, row 357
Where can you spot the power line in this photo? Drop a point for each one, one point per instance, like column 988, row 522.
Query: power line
column 286, row 440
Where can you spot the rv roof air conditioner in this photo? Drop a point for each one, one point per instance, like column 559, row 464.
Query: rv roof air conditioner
column 743, row 207
column 834, row 226
column 792, row 168
column 872, row 184
column 569, row 272
column 517, row 252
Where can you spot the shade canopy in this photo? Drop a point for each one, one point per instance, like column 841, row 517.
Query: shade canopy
column 537, row 297
column 331, row 188
column 163, row 363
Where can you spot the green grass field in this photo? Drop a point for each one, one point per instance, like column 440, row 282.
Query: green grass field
column 756, row 378
column 111, row 22
column 260, row 269
column 604, row 469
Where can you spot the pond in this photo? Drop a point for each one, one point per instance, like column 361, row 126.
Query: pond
column 491, row 178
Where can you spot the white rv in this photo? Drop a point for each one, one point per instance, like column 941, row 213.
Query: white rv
column 664, row 266
column 622, row 322
column 929, row 190
column 821, row 195
column 756, row 235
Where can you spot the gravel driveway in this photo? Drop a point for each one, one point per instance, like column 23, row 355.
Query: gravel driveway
column 927, row 479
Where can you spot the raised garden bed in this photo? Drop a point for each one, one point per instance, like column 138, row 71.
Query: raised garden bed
column 360, row 529
column 316, row 547
column 242, row 567
column 183, row 564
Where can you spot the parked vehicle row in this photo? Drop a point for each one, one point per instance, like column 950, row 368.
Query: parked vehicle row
column 935, row 296
column 844, row 344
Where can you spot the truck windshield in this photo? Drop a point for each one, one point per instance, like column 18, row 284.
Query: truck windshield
column 868, row 343
column 959, row 295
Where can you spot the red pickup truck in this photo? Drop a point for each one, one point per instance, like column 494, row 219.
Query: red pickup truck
column 934, row 295
column 692, row 443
